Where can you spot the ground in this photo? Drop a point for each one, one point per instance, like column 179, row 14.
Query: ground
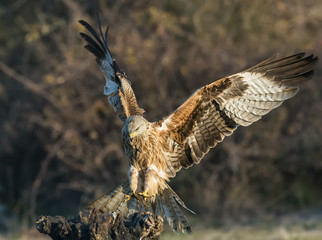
column 306, row 225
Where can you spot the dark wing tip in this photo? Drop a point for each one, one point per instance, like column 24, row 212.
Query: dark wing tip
column 291, row 70
column 98, row 44
column 93, row 46
column 293, row 73
column 82, row 22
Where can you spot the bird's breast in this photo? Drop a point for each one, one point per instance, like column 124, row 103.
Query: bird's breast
column 144, row 151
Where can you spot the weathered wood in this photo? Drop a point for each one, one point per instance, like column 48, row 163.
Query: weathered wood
column 98, row 226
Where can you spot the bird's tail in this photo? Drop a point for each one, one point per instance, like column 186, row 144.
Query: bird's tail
column 165, row 204
column 169, row 203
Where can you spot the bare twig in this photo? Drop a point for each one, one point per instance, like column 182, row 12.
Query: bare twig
column 41, row 175
column 29, row 84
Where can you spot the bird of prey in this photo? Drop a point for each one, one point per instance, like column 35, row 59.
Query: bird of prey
column 156, row 151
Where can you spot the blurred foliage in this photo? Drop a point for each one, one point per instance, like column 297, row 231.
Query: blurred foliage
column 60, row 144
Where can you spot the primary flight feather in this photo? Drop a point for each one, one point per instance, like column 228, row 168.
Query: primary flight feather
column 157, row 150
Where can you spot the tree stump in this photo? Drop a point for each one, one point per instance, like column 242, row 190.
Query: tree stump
column 100, row 226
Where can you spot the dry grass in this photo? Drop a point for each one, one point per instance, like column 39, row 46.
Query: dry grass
column 251, row 233
column 295, row 227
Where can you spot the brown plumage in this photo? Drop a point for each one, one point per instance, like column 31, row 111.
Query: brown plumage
column 118, row 87
column 157, row 150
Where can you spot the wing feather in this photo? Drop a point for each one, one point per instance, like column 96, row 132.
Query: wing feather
column 117, row 88
column 217, row 109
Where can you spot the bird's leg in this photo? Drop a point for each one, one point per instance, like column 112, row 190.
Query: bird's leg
column 133, row 175
column 150, row 183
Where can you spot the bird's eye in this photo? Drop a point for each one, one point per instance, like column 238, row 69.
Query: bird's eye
column 136, row 129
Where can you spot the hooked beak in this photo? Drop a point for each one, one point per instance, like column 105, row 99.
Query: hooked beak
column 132, row 135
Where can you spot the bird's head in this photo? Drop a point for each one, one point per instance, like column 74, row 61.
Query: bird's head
column 135, row 125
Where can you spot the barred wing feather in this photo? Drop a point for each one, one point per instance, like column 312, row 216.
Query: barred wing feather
column 217, row 109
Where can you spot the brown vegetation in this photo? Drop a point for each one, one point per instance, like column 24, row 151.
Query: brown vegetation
column 60, row 144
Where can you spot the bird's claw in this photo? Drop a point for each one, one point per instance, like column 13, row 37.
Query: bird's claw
column 145, row 195
column 127, row 197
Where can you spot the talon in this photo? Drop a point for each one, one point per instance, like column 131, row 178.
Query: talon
column 145, row 195
column 127, row 197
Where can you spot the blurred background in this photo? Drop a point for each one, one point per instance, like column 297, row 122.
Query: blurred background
column 60, row 143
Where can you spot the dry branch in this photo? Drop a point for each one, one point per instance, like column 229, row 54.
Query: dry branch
column 95, row 225
column 29, row 84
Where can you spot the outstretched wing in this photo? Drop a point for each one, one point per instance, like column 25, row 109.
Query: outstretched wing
column 117, row 88
column 216, row 110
